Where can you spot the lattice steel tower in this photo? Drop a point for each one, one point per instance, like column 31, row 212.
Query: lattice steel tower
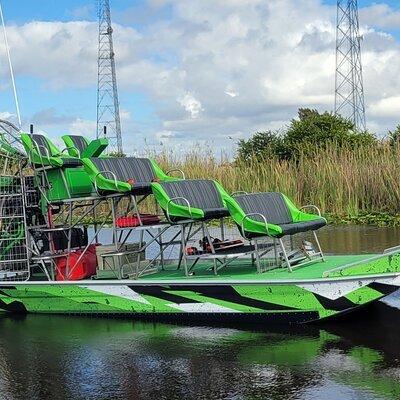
column 349, row 90
column 108, row 118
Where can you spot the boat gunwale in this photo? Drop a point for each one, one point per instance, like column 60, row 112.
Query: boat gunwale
column 201, row 282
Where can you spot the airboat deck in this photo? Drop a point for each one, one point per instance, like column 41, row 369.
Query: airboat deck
column 244, row 270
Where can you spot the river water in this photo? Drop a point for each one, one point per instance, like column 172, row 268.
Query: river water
column 52, row 357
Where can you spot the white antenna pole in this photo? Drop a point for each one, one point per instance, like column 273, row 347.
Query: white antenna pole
column 11, row 67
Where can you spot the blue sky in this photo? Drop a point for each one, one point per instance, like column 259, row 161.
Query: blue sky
column 162, row 80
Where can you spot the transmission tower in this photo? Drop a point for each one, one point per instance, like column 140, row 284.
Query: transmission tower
column 108, row 118
column 349, row 90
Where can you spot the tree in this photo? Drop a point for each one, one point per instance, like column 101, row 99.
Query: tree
column 117, row 154
column 313, row 130
column 260, row 146
column 310, row 132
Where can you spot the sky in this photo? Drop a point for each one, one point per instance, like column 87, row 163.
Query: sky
column 192, row 72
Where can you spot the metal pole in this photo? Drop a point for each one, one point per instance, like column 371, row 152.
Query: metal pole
column 11, row 67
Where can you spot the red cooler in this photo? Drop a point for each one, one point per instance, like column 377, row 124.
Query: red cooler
column 85, row 268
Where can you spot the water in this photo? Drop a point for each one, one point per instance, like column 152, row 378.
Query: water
column 334, row 239
column 51, row 357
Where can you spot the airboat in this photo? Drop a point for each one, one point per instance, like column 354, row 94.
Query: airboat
column 85, row 233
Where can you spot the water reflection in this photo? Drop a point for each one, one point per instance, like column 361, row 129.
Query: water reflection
column 45, row 357
column 358, row 239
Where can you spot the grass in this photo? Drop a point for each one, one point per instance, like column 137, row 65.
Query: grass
column 349, row 185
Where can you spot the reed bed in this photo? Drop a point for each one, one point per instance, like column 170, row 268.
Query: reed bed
column 341, row 181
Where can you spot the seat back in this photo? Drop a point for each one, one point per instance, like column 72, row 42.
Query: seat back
column 271, row 205
column 79, row 143
column 200, row 193
column 41, row 145
column 140, row 170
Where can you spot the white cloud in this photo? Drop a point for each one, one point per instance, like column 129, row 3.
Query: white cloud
column 231, row 94
column 83, row 127
column 388, row 107
column 6, row 115
column 380, row 15
column 125, row 115
column 191, row 105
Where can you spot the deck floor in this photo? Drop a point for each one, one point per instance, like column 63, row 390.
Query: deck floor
column 243, row 269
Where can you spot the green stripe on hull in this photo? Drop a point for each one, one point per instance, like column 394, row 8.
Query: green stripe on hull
column 153, row 300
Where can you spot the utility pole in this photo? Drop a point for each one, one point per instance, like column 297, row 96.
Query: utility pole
column 108, row 117
column 349, row 88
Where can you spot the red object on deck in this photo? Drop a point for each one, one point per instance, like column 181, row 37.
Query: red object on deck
column 132, row 221
column 78, row 270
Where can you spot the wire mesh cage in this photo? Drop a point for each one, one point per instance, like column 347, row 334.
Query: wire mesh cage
column 14, row 257
column 12, row 156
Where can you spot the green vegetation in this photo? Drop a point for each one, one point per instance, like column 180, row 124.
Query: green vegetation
column 308, row 134
column 320, row 159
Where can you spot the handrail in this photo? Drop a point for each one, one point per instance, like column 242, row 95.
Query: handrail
column 38, row 147
column 10, row 124
column 388, row 252
column 391, row 249
column 71, row 147
column 178, row 198
column 105, row 172
column 176, row 170
column 247, row 216
column 312, row 206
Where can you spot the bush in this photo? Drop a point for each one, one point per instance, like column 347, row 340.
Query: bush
column 394, row 137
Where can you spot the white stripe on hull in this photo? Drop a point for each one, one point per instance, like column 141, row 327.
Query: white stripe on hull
column 119, row 291
column 202, row 308
column 334, row 290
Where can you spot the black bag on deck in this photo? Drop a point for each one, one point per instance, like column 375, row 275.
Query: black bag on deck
column 79, row 238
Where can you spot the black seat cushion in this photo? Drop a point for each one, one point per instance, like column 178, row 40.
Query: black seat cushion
column 200, row 193
column 138, row 171
column 215, row 213
column 305, row 226
column 71, row 162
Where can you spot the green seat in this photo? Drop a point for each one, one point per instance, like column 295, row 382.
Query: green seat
column 80, row 147
column 270, row 214
column 197, row 199
column 63, row 175
column 124, row 175
column 43, row 153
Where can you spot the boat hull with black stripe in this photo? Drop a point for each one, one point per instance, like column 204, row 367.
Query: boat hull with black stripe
column 268, row 298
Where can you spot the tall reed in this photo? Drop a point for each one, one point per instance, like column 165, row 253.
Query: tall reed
column 341, row 181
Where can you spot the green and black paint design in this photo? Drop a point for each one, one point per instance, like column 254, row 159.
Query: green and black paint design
column 254, row 303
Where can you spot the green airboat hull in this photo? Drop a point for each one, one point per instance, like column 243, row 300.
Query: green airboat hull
column 272, row 297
